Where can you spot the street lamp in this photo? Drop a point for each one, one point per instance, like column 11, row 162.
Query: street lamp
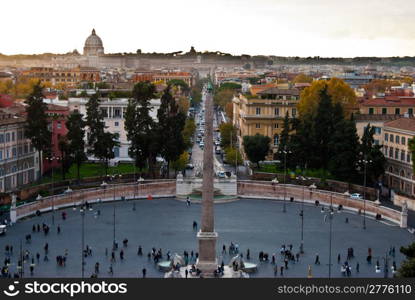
column 364, row 161
column 113, row 214
column 285, row 152
column 330, row 216
column 82, row 211
column 302, row 219
column 51, row 159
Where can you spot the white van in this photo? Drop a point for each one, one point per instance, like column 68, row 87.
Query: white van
column 3, row 229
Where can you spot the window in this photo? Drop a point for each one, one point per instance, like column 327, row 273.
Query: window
column 386, row 137
column 371, row 110
column 14, row 152
column 258, row 110
column 403, row 140
column 13, row 136
column 403, row 155
column 116, row 124
column 276, row 125
column 408, row 157
column 277, row 111
column 1, row 154
column 397, row 111
column 378, row 130
column 257, row 125
column 294, row 112
column 410, row 111
column 59, row 125
column 7, row 137
column 276, row 139
column 376, row 142
column 397, row 154
column 391, row 138
column 390, row 152
column 117, row 112
column 397, row 140
column 384, row 110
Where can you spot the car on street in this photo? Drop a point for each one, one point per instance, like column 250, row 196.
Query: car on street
column 221, row 174
column 3, row 229
column 356, row 196
column 190, row 166
column 202, row 144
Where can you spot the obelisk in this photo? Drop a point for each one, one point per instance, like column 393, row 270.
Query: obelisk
column 207, row 236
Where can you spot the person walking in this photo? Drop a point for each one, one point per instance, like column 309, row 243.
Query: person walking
column 317, row 260
column 338, row 258
column 144, row 271
column 59, row 229
column 357, row 267
column 186, row 273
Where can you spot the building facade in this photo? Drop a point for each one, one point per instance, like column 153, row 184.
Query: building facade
column 399, row 172
column 388, row 105
column 114, row 111
column 68, row 77
column 264, row 113
column 18, row 158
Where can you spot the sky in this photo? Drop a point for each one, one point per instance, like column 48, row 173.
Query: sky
column 327, row 28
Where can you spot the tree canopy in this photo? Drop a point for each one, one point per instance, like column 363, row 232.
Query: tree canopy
column 256, row 147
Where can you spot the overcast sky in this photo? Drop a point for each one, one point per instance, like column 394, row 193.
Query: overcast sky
column 270, row 27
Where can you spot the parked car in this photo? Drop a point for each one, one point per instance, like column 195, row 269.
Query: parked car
column 221, row 174
column 3, row 229
column 356, row 196
column 190, row 166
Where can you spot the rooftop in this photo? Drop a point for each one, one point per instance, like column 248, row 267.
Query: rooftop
column 390, row 101
column 277, row 91
column 402, row 123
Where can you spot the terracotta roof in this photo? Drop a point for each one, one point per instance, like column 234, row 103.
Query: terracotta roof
column 277, row 91
column 375, row 117
column 390, row 101
column 402, row 123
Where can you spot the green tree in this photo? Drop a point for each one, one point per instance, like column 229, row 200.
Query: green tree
column 284, row 139
column 179, row 83
column 180, row 163
column 65, row 157
column 372, row 153
column 256, row 147
column 141, row 128
column 344, row 145
column 323, row 130
column 100, row 143
column 75, row 137
column 188, row 132
column 233, row 156
column 228, row 134
column 221, row 98
column 36, row 128
column 171, row 122
column 407, row 268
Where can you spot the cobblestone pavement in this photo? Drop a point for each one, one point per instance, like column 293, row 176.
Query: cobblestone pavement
column 259, row 225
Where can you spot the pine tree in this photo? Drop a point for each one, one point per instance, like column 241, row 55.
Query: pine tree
column 344, row 147
column 323, row 130
column 140, row 126
column 36, row 128
column 75, row 136
column 170, row 126
column 371, row 152
column 66, row 155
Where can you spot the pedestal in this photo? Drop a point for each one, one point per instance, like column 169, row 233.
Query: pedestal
column 207, row 261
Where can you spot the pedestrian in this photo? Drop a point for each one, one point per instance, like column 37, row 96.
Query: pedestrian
column 96, row 267
column 273, row 259
column 59, row 229
column 297, row 256
column 122, row 254
column 275, row 271
column 338, row 258
column 347, row 220
column 31, row 269
column 286, row 263
column 37, row 257
column 33, row 228
column 357, row 267
column 194, row 225
column 186, row 273
column 317, row 260
column 224, row 249
column 112, row 256
column 144, row 271
column 188, row 201
column 282, row 271
column 111, row 271
column 248, row 255
column 140, row 251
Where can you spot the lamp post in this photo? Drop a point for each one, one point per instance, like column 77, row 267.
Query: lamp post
column 51, row 159
column 113, row 214
column 364, row 161
column 302, row 221
column 82, row 211
column 330, row 216
column 285, row 152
